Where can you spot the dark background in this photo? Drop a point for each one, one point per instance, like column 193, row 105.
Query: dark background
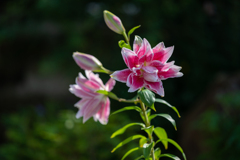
column 37, row 39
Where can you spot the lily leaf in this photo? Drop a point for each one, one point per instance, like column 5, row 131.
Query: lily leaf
column 147, row 97
column 139, row 157
column 123, row 44
column 122, row 130
column 170, row 156
column 132, row 30
column 127, row 108
column 175, row 144
column 147, row 147
column 142, row 141
column 148, row 130
column 161, row 134
column 109, row 94
column 126, row 141
column 130, row 151
column 169, row 105
column 167, row 116
column 157, row 153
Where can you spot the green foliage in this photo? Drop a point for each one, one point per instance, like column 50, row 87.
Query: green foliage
column 147, row 97
column 122, row 130
column 161, row 134
column 130, row 151
column 126, row 141
column 132, row 30
column 175, row 144
column 222, row 121
column 147, row 147
column 168, row 117
column 169, row 105
column 170, row 156
column 122, row 44
column 59, row 135
column 136, row 108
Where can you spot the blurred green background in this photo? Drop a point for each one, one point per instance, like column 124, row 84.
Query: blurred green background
column 37, row 39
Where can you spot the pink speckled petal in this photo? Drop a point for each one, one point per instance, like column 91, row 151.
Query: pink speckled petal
column 137, row 83
column 92, row 107
column 80, row 105
column 121, row 75
column 145, row 53
column 158, row 47
column 130, row 57
column 155, row 87
column 164, row 54
column 110, row 84
column 172, row 72
column 103, row 114
column 150, row 73
column 137, row 44
column 94, row 78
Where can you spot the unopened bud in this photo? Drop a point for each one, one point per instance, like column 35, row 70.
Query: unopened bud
column 113, row 22
column 86, row 61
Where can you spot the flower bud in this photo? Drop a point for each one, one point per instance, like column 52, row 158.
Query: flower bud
column 86, row 61
column 113, row 22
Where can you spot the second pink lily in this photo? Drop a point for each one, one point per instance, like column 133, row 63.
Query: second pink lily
column 147, row 67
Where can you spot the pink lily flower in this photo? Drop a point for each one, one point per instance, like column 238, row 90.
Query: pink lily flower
column 147, row 67
column 92, row 104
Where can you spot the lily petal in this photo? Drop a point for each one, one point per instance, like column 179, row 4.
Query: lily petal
column 155, row 87
column 137, row 83
column 137, row 44
column 92, row 107
column 103, row 114
column 79, row 92
column 130, row 58
column 121, row 75
column 164, row 54
column 150, row 73
column 80, row 105
column 158, row 47
column 172, row 72
column 110, row 84
column 94, row 77
column 145, row 53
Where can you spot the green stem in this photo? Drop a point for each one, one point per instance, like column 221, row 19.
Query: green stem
column 126, row 37
column 147, row 123
column 135, row 101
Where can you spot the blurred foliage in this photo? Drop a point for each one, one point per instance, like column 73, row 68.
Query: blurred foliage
column 37, row 134
column 221, row 128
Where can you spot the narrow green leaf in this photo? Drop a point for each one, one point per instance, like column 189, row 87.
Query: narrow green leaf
column 126, row 141
column 142, row 141
column 175, row 144
column 152, row 107
column 139, row 157
column 103, row 92
column 127, row 108
column 130, row 151
column 122, row 130
column 170, row 156
column 148, row 130
column 109, row 94
column 132, row 30
column 157, row 153
column 161, row 134
column 147, row 97
column 147, row 147
column 167, row 116
column 169, row 105
column 122, row 44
